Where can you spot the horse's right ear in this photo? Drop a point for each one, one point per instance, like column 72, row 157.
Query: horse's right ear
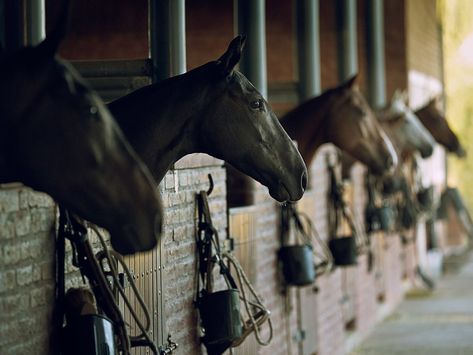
column 232, row 56
column 50, row 45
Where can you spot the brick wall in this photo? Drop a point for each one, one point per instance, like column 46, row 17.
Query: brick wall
column 27, row 275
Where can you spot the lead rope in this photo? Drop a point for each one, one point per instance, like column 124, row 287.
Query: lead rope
column 244, row 282
column 113, row 258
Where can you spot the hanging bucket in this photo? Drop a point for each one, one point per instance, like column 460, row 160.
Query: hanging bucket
column 392, row 185
column 297, row 264
column 425, row 197
column 408, row 216
column 89, row 334
column 343, row 250
column 387, row 218
column 220, row 316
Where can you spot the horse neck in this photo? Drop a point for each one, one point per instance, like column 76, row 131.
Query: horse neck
column 424, row 116
column 161, row 121
column 306, row 124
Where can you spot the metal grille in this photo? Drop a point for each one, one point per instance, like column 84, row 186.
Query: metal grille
column 242, row 227
column 307, row 297
column 145, row 268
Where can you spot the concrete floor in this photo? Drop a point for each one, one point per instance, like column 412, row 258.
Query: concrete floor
column 438, row 324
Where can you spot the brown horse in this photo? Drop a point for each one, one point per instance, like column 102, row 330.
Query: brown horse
column 341, row 116
column 213, row 109
column 432, row 118
column 58, row 137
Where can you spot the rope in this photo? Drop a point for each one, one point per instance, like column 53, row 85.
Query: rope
column 108, row 255
column 244, row 283
column 306, row 231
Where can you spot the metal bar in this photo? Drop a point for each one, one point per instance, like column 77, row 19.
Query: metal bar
column 14, row 20
column 167, row 38
column 346, row 38
column 375, row 49
column 308, row 47
column 250, row 21
column 35, row 22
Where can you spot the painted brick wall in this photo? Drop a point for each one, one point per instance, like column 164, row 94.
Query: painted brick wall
column 179, row 249
column 26, row 270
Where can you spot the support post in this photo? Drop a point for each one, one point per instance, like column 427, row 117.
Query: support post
column 167, row 38
column 35, row 22
column 347, row 39
column 250, row 21
column 375, row 48
column 308, row 48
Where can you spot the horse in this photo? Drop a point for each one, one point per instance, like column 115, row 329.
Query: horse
column 436, row 122
column 212, row 109
column 341, row 116
column 403, row 128
column 58, row 137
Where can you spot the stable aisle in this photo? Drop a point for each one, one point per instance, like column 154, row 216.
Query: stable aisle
column 438, row 324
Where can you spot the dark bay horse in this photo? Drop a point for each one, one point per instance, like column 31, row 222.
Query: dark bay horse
column 57, row 136
column 341, row 116
column 213, row 109
column 436, row 122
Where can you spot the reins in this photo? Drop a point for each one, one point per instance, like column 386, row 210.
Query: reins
column 209, row 254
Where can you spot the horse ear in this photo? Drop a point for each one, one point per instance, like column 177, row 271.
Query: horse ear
column 350, row 83
column 48, row 47
column 232, row 56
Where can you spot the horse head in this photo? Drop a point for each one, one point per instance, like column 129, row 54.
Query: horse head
column 353, row 127
column 435, row 121
column 241, row 128
column 405, row 128
column 58, row 137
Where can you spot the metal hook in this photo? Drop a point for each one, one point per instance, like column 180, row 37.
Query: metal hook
column 211, row 184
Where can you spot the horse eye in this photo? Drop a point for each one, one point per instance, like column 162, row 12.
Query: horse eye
column 93, row 110
column 258, row 104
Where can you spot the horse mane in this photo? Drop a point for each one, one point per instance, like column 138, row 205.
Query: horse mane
column 167, row 86
column 307, row 105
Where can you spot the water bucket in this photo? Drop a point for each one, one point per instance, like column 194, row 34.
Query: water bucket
column 297, row 264
column 220, row 316
column 425, row 197
column 387, row 218
column 89, row 334
column 343, row 250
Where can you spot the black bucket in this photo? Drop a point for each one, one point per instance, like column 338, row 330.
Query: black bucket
column 297, row 264
column 89, row 334
column 387, row 218
column 392, row 184
column 425, row 197
column 343, row 250
column 220, row 316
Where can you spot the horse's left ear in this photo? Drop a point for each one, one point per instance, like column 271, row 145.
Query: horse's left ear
column 351, row 82
column 232, row 56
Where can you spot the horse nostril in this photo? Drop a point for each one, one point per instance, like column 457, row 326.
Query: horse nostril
column 304, row 180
